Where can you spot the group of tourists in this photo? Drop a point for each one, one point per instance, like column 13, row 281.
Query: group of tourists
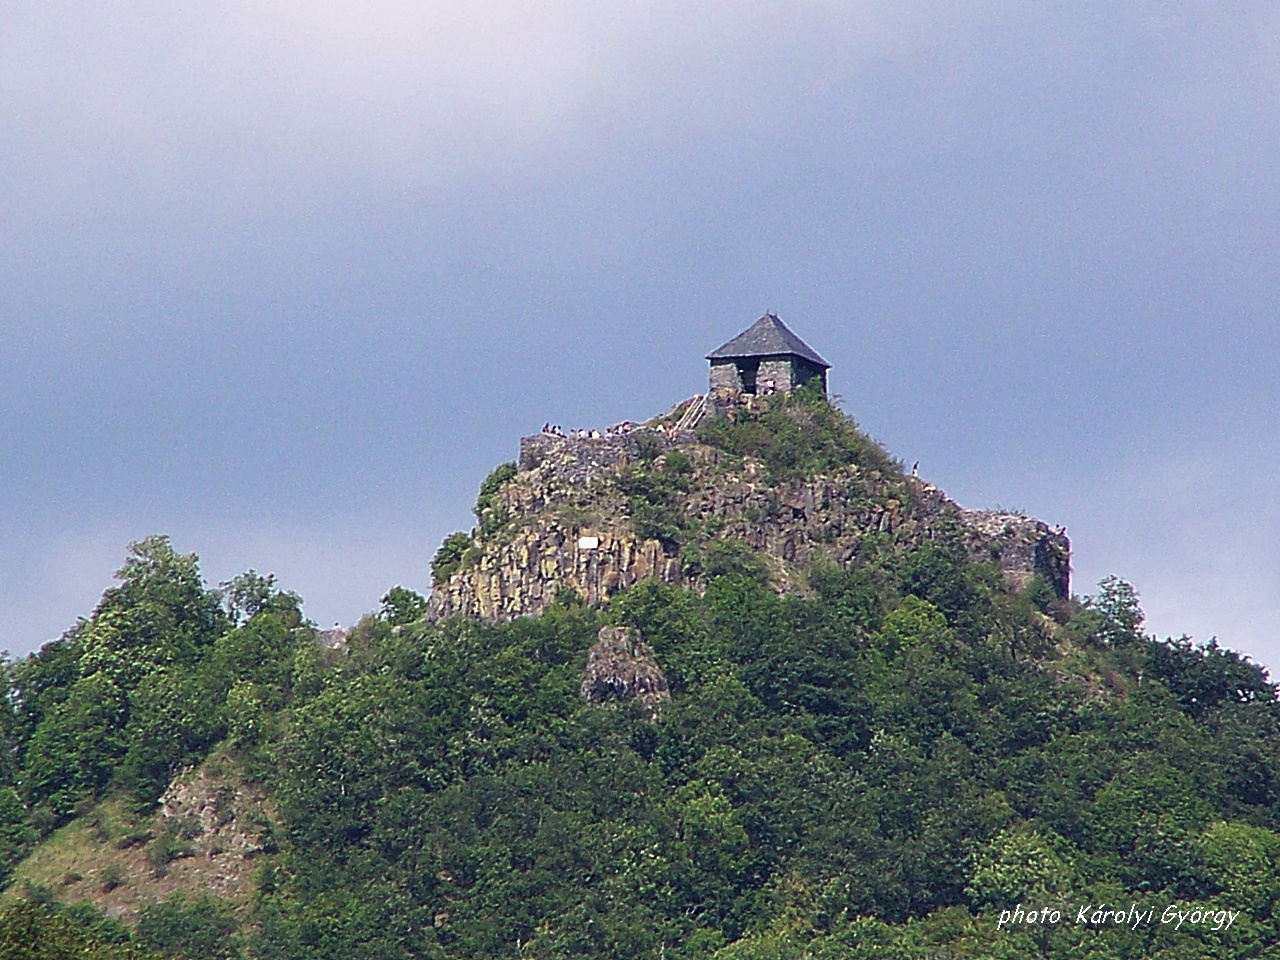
column 617, row 430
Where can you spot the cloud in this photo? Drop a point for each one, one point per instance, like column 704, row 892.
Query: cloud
column 106, row 97
column 1197, row 535
column 415, row 84
column 341, row 570
column 49, row 578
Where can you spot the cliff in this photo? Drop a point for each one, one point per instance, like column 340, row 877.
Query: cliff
column 596, row 514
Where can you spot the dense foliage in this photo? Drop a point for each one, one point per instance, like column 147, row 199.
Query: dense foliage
column 877, row 769
column 653, row 505
column 795, row 435
column 35, row 930
column 163, row 670
column 448, row 558
column 488, row 513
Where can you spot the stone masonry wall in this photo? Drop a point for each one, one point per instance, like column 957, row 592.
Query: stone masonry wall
column 577, row 460
column 724, row 375
column 777, row 369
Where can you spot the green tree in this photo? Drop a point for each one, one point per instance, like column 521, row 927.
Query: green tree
column 30, row 931
column 1243, row 862
column 16, row 833
column 402, row 606
column 914, row 621
column 160, row 614
column 263, row 649
column 942, row 574
column 74, row 752
column 247, row 594
column 200, row 928
column 448, row 559
column 174, row 719
column 489, row 513
column 41, row 681
column 726, row 558
column 1119, row 610
column 1019, row 865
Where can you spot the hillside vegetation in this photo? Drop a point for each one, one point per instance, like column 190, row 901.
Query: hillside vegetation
column 876, row 768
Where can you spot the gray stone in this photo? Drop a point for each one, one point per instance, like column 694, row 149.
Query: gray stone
column 620, row 666
column 765, row 358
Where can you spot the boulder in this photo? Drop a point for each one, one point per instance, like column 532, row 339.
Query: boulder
column 620, row 666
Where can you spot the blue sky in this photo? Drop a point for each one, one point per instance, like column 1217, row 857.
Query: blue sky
column 285, row 280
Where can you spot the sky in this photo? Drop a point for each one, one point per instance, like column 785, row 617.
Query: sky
column 284, row 280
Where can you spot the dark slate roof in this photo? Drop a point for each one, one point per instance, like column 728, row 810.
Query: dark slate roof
column 767, row 337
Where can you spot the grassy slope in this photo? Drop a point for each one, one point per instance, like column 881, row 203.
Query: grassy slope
column 211, row 844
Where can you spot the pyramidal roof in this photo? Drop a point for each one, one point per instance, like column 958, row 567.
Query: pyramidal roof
column 767, row 337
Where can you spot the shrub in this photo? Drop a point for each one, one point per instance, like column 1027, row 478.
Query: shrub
column 195, row 929
column 489, row 488
column 724, row 558
column 796, row 435
column 16, row 832
column 113, row 876
column 448, row 559
column 402, row 606
column 169, row 846
column 135, row 838
column 43, row 930
column 1119, row 611
column 652, row 501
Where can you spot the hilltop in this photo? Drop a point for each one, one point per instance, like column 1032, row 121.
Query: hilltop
column 786, row 480
column 729, row 684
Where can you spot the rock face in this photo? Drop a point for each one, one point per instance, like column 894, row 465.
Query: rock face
column 335, row 639
column 208, row 837
column 566, row 523
column 228, row 816
column 620, row 666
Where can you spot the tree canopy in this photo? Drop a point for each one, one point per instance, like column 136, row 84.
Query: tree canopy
column 875, row 769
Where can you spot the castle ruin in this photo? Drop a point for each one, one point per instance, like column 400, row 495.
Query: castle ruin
column 563, row 521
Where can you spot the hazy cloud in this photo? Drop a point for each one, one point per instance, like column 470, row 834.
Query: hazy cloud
column 390, row 84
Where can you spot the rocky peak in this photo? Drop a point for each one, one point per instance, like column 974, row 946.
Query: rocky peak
column 597, row 511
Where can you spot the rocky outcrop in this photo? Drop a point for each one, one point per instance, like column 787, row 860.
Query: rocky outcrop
column 620, row 666
column 227, row 815
column 208, row 838
column 522, row 576
column 1021, row 546
column 335, row 639
column 568, row 525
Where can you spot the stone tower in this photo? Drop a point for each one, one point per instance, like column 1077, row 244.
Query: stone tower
column 766, row 358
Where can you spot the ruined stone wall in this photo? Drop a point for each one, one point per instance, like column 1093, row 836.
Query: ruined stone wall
column 1021, row 546
column 787, row 374
column 576, row 461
